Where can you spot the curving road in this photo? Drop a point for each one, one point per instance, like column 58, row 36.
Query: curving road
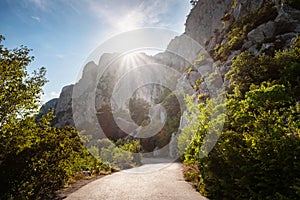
column 156, row 180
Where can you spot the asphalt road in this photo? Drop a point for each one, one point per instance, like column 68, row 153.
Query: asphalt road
column 155, row 180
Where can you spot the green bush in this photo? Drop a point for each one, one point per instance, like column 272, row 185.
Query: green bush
column 282, row 68
column 35, row 159
column 121, row 154
column 257, row 154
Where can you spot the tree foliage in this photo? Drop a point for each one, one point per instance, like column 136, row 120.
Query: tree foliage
column 35, row 159
column 257, row 154
column 19, row 92
column 282, row 68
column 121, row 154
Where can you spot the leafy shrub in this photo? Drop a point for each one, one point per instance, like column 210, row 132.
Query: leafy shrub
column 281, row 68
column 35, row 159
column 257, row 154
column 121, row 154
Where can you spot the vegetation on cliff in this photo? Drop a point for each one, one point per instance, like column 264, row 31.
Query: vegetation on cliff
column 257, row 154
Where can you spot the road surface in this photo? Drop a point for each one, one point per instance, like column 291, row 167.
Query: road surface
column 156, row 180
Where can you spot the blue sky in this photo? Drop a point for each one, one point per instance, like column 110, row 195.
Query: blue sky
column 62, row 33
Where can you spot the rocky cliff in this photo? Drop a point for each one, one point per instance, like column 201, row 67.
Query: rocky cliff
column 205, row 18
column 224, row 29
column 262, row 26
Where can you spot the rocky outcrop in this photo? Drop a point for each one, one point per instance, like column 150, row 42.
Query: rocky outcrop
column 63, row 110
column 273, row 26
column 234, row 26
column 262, row 32
column 243, row 7
column 205, row 18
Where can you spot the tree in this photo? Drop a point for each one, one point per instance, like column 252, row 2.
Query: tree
column 19, row 92
column 19, row 95
column 35, row 159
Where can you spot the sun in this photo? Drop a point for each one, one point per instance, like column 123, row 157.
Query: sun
column 131, row 60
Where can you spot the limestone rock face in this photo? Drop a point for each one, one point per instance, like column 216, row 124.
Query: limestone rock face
column 205, row 18
column 275, row 33
column 63, row 110
column 262, row 32
column 242, row 7
column 180, row 53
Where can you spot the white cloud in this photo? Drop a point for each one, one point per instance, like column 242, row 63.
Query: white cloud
column 127, row 15
column 36, row 18
column 48, row 96
column 54, row 94
column 120, row 15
